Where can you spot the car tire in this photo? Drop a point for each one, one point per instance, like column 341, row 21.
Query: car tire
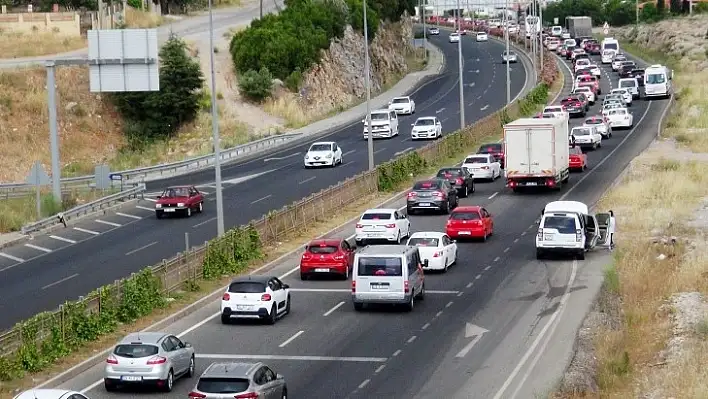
column 581, row 255
column 484, row 237
column 287, row 305
column 168, row 382
column 225, row 319
column 474, row 188
column 539, row 254
column 303, row 276
column 358, row 306
column 446, row 267
column 191, row 368
column 109, row 386
column 345, row 276
column 411, row 304
column 446, row 208
column 465, row 193
column 410, row 211
column 285, row 394
column 158, row 214
column 273, row 316
column 398, row 238
column 200, row 208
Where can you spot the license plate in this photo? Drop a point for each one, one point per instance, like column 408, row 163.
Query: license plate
column 465, row 233
column 169, row 210
column 379, row 287
column 243, row 307
column 548, row 237
column 424, row 204
column 131, row 378
column 531, row 183
column 322, row 270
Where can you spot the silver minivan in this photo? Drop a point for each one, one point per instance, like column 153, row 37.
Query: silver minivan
column 388, row 274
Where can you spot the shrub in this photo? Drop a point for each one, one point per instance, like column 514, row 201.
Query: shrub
column 256, row 85
column 356, row 17
column 137, row 4
column 294, row 80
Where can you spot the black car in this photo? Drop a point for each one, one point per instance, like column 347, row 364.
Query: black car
column 637, row 74
column 496, row 149
column 625, row 64
column 625, row 71
column 433, row 194
column 459, row 178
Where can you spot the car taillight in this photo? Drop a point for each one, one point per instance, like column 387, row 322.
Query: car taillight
column 306, row 256
column 157, row 360
column 578, row 235
column 359, row 225
column 197, row 395
column 439, row 194
column 540, row 234
column 390, row 225
column 437, row 254
column 550, row 182
column 112, row 360
column 411, row 194
column 265, row 298
column 459, row 181
column 485, row 167
column 250, row 395
column 339, row 257
column 226, row 297
column 353, row 286
column 406, row 286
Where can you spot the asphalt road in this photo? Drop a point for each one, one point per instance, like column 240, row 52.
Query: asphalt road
column 71, row 262
column 508, row 302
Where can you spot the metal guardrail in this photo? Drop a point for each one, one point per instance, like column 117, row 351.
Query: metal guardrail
column 84, row 209
column 157, row 172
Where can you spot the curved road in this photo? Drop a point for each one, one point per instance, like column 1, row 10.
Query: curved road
column 499, row 294
column 54, row 268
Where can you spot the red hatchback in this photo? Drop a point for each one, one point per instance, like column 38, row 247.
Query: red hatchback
column 327, row 257
column 578, row 159
column 470, row 222
column 181, row 200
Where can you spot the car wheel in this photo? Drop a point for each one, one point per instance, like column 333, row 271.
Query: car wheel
column 539, row 254
column 581, row 255
column 346, row 273
column 484, row 237
column 398, row 238
column 446, row 208
column 410, row 211
column 411, row 304
column 446, row 267
column 303, row 276
column 190, row 370
column 287, row 305
column 110, row 387
column 225, row 319
column 358, row 306
column 158, row 214
column 599, row 144
column 201, row 207
column 473, row 188
column 169, row 382
column 285, row 394
column 273, row 316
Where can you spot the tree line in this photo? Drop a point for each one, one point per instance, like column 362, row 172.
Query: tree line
column 618, row 12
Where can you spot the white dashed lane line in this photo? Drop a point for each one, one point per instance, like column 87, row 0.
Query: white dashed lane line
column 11, row 257
column 291, row 339
column 107, row 223
column 126, row 215
column 87, row 231
column 38, row 248
column 62, row 239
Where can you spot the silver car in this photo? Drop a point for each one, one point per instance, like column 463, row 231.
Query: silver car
column 148, row 358
column 511, row 57
column 240, row 380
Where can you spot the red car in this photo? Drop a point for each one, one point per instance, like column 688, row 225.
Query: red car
column 591, row 80
column 179, row 200
column 496, row 149
column 327, row 257
column 578, row 160
column 470, row 222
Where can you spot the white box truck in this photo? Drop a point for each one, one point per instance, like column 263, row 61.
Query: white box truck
column 536, row 153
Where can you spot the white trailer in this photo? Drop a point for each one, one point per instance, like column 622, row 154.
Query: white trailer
column 536, row 153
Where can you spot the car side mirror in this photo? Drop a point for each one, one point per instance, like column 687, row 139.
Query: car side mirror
column 187, row 345
column 412, row 124
column 279, row 377
column 286, row 286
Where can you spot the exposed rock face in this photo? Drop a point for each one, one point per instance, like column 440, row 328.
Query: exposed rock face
column 680, row 38
column 338, row 79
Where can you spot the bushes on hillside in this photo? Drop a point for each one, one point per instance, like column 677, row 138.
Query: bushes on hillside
column 256, row 85
column 157, row 114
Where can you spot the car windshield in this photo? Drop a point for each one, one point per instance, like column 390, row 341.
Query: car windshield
column 376, row 216
column 135, row 351
column 445, row 173
column 618, row 92
column 322, row 249
column 400, row 100
column 580, row 132
column 380, row 266
column 476, row 160
column 655, row 78
column 620, row 58
column 554, row 109
column 627, row 83
column 247, row 287
column 575, row 151
column 465, row 216
column 424, row 122
column 176, row 192
column 426, row 185
column 321, row 147
column 509, row 53
column 222, row 385
column 564, row 224
column 379, row 116
column 423, row 242
column 611, row 46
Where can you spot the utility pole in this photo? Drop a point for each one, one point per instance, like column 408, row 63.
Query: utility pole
column 460, row 67
column 506, row 40
column 215, row 129
column 53, row 130
column 261, row 12
column 540, row 35
column 367, row 82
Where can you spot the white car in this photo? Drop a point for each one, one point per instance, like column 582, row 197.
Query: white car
column 513, row 29
column 553, row 45
column 437, row 248
column 454, row 37
column 255, row 297
column 382, row 224
column 482, row 166
column 600, row 123
column 556, row 110
column 402, row 105
column 587, row 91
column 626, row 95
column 511, row 57
column 608, row 56
column 433, row 31
column 565, row 35
column 617, row 61
column 595, row 71
column 610, row 105
column 586, row 137
column 582, row 63
column 482, row 37
column 384, row 124
column 620, row 117
column 323, row 153
column 427, row 127
column 49, row 393
column 631, row 85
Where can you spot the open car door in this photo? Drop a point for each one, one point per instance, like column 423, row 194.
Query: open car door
column 591, row 232
column 603, row 225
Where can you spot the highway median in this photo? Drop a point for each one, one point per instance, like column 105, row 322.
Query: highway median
column 52, row 342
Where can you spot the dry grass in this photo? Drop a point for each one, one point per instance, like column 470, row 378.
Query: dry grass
column 19, row 45
column 140, row 19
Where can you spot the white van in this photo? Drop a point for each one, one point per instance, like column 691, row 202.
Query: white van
column 556, row 30
column 567, row 227
column 384, row 124
column 631, row 85
column 388, row 274
column 610, row 43
column 657, row 81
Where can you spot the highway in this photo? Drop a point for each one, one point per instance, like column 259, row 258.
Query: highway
column 483, row 330
column 51, row 269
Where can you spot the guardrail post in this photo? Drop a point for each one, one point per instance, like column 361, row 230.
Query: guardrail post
column 186, row 242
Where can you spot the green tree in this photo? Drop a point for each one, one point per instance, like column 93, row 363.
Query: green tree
column 153, row 115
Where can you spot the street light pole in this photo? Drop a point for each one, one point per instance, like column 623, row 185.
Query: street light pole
column 540, row 36
column 367, row 82
column 506, row 39
column 459, row 66
column 215, row 131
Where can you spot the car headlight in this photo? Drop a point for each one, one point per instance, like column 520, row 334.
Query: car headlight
column 158, row 206
column 307, row 157
column 329, row 156
column 180, row 205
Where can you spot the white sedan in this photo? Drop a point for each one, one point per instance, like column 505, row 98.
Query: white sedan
column 482, row 166
column 595, row 71
column 620, row 117
column 382, row 224
column 482, row 37
column 402, row 105
column 454, row 37
column 427, row 127
column 601, row 124
column 586, row 137
column 626, row 95
column 323, row 153
column 437, row 248
column 511, row 57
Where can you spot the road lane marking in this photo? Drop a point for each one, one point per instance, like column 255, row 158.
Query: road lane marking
column 204, row 192
column 11, row 257
column 477, row 277
column 469, row 285
column 484, row 108
column 128, row 215
column 261, row 199
column 60, row 281
column 440, row 110
column 523, row 233
column 145, row 208
column 442, row 292
column 150, row 199
column 411, row 339
column 438, row 314
column 280, row 158
column 349, row 152
column 379, row 150
column 335, row 307
column 425, row 326
column 107, row 223
column 301, row 358
column 140, row 249
column 306, row 180
column 204, row 222
column 291, row 339
column 379, row 369
column 497, row 259
column 38, row 248
column 459, row 294
column 63, row 239
column 396, row 353
column 493, row 195
column 403, row 151
column 516, row 240
column 365, row 383
column 87, row 231
column 506, row 249
column 448, row 304
column 487, row 268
